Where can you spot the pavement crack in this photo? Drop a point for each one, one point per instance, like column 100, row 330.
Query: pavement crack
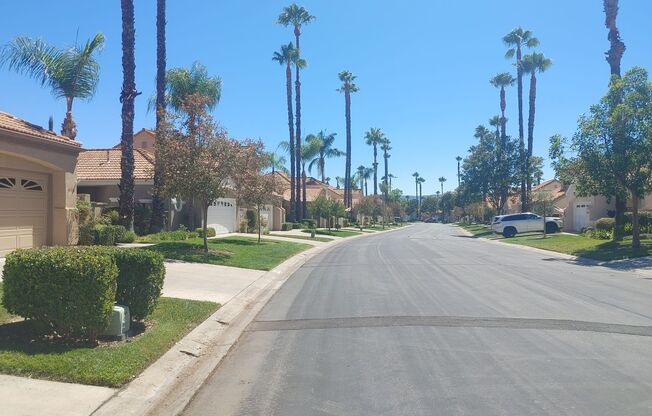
column 451, row 322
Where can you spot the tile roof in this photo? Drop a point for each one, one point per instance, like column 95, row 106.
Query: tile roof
column 104, row 164
column 15, row 124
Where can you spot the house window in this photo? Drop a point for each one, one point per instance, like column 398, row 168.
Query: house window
column 30, row 185
column 7, row 183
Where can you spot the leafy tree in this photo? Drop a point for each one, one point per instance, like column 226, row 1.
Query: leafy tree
column 200, row 161
column 285, row 57
column 127, row 98
column 612, row 145
column 157, row 219
column 348, row 87
column 536, row 169
column 517, row 39
column 532, row 64
column 69, row 72
column 375, row 137
column 326, row 151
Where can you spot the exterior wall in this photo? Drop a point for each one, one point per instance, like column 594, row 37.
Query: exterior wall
column 600, row 208
column 144, row 140
column 58, row 162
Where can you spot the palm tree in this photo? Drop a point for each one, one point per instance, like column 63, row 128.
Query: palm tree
column 385, row 147
column 127, row 97
column 70, row 73
column 500, row 81
column 441, row 182
column 296, row 16
column 277, row 161
column 459, row 176
column 285, row 57
column 516, row 40
column 531, row 64
column 360, row 176
column 326, row 151
column 157, row 220
column 338, row 181
column 388, row 178
column 368, row 172
column 182, row 83
column 310, row 149
column 416, row 190
column 420, row 180
column 374, row 137
column 348, row 86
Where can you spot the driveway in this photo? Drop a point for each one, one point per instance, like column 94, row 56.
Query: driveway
column 426, row 321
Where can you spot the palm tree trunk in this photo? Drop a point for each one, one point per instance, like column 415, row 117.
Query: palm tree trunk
column 375, row 170
column 304, row 205
column 366, row 191
column 521, row 139
column 204, row 213
column 293, row 168
column 68, row 127
column 157, row 220
column 386, row 158
column 297, row 147
column 126, row 205
column 530, row 131
column 416, row 195
column 322, row 168
column 347, row 173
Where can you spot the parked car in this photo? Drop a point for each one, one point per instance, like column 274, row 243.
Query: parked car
column 512, row 224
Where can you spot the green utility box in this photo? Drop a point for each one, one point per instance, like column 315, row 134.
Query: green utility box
column 118, row 323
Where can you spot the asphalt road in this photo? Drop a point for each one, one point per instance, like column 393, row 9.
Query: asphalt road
column 427, row 321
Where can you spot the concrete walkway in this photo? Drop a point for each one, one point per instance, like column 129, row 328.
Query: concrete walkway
column 22, row 396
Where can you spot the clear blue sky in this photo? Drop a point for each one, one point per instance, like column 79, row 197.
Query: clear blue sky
column 423, row 68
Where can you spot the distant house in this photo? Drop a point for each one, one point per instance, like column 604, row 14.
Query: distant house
column 98, row 173
column 38, row 187
column 577, row 212
column 314, row 188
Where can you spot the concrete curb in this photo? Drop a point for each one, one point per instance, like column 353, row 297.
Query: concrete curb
column 168, row 385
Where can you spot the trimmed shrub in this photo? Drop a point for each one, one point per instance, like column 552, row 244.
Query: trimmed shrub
column 142, row 217
column 104, row 235
column 140, row 279
column 69, row 291
column 84, row 211
column 297, row 226
column 110, row 217
column 210, row 232
column 129, row 237
column 598, row 234
column 309, row 223
column 605, row 224
column 286, row 226
column 87, row 234
column 252, row 221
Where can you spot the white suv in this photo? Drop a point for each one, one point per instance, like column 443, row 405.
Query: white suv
column 512, row 224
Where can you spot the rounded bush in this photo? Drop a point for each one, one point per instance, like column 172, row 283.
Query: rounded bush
column 605, row 224
column 87, row 234
column 140, row 279
column 210, row 232
column 68, row 290
column 286, row 226
column 128, row 237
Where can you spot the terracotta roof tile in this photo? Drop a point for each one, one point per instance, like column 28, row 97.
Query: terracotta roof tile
column 15, row 124
column 104, row 164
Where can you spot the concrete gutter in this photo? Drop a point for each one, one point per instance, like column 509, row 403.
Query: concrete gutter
column 168, row 385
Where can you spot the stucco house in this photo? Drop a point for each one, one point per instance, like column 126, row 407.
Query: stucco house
column 314, row 188
column 38, row 186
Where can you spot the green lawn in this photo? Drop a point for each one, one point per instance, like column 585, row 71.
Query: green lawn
column 333, row 232
column 303, row 237
column 577, row 245
column 242, row 252
column 110, row 364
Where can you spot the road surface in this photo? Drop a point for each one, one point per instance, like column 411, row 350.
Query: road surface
column 428, row 321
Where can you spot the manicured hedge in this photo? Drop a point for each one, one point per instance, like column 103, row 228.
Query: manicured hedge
column 286, row 226
column 66, row 290
column 605, row 224
column 104, row 235
column 210, row 232
column 309, row 223
column 140, row 279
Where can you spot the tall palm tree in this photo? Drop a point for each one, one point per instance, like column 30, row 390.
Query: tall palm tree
column 310, row 149
column 532, row 64
column 338, row 181
column 441, row 182
column 614, row 56
column 420, row 180
column 127, row 97
column 348, row 87
column 385, row 147
column 285, row 57
column 416, row 190
column 157, row 219
column 368, row 172
column 516, row 40
column 70, row 73
column 388, row 178
column 326, row 151
column 296, row 16
column 500, row 81
column 374, row 137
column 459, row 175
column 277, row 162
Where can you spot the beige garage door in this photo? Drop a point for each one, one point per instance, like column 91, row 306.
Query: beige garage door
column 23, row 210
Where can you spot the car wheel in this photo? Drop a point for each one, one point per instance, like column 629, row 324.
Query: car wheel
column 551, row 228
column 509, row 232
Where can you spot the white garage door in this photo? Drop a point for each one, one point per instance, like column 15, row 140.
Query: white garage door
column 222, row 215
column 581, row 215
column 23, row 210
